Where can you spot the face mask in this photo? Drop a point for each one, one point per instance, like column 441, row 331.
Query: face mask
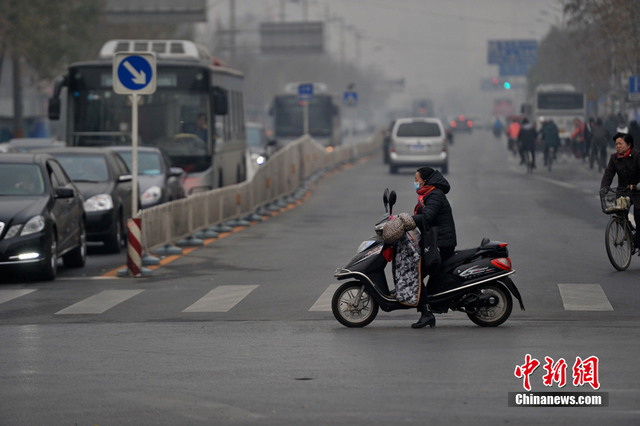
column 416, row 185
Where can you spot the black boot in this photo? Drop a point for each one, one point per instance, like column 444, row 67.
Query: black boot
column 426, row 318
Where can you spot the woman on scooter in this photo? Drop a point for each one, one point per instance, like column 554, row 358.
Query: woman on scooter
column 433, row 209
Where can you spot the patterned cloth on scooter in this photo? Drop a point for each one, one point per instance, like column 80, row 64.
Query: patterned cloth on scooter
column 406, row 268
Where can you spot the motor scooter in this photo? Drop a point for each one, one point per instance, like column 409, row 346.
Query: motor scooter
column 476, row 281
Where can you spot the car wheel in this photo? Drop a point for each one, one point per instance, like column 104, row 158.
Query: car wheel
column 114, row 243
column 77, row 257
column 50, row 267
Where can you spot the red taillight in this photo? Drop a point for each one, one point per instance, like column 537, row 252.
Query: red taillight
column 503, row 245
column 469, row 123
column 502, row 263
column 454, row 124
column 387, row 252
column 461, row 118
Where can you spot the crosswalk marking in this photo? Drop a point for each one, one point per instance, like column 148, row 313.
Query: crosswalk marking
column 100, row 302
column 221, row 299
column 6, row 295
column 584, row 297
column 323, row 304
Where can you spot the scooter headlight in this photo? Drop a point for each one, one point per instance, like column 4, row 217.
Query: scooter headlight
column 365, row 245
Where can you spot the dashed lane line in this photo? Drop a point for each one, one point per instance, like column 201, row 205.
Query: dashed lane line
column 6, row 295
column 584, row 297
column 222, row 298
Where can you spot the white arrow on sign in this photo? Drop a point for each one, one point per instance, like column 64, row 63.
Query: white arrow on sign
column 138, row 77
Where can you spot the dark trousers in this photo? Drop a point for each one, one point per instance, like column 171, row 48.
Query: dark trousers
column 445, row 253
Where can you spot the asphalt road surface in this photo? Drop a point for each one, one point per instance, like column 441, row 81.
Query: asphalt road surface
column 238, row 332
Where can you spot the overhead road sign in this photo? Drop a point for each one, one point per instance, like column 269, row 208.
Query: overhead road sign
column 155, row 11
column 134, row 73
column 292, row 38
column 514, row 57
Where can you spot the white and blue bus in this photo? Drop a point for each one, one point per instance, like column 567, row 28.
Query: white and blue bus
column 196, row 115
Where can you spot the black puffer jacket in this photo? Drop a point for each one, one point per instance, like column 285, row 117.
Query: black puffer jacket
column 437, row 211
column 627, row 169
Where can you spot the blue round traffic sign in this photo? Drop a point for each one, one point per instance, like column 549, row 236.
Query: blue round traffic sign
column 135, row 72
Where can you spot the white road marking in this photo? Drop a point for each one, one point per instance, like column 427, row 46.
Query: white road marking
column 555, row 182
column 584, row 297
column 99, row 303
column 6, row 295
column 323, row 304
column 221, row 299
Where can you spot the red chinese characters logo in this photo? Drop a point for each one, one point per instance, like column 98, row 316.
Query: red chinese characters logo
column 584, row 371
column 555, row 372
column 524, row 371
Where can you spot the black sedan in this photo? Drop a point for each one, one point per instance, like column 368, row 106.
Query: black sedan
column 42, row 216
column 159, row 182
column 104, row 180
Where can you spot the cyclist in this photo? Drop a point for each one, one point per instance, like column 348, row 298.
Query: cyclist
column 577, row 137
column 527, row 142
column 551, row 137
column 626, row 164
column 512, row 133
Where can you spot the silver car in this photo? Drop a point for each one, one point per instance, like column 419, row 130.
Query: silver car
column 417, row 142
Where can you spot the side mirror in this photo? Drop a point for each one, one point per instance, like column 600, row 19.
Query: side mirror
column 392, row 201
column 54, row 109
column 220, row 101
column 125, row 178
column 64, row 193
column 385, row 200
column 176, row 171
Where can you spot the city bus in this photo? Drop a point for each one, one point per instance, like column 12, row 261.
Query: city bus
column 324, row 116
column 561, row 103
column 196, row 115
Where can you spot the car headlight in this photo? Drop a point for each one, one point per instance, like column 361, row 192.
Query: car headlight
column 13, row 231
column 259, row 159
column 98, row 203
column 151, row 195
column 33, row 225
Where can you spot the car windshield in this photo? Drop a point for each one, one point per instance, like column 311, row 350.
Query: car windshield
column 254, row 138
column 84, row 168
column 418, row 129
column 21, row 179
column 148, row 162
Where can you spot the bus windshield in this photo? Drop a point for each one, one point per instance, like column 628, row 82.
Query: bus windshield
column 560, row 101
column 289, row 120
column 174, row 118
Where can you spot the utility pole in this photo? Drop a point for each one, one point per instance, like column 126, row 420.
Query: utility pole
column 232, row 30
column 305, row 10
column 282, row 13
column 343, row 58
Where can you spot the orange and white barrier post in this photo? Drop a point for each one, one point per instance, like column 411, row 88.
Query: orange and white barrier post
column 134, row 248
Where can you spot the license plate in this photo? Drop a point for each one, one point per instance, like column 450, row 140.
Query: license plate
column 418, row 147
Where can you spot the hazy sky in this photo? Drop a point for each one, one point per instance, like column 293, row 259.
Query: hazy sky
column 438, row 46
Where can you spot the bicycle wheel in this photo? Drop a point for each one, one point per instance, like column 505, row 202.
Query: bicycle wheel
column 529, row 160
column 550, row 155
column 619, row 244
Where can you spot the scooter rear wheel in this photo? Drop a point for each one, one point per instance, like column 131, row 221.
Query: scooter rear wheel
column 348, row 311
column 493, row 316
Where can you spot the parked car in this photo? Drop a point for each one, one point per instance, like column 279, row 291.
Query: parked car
column 104, row 180
column 159, row 182
column 31, row 144
column 42, row 217
column 386, row 143
column 417, row 142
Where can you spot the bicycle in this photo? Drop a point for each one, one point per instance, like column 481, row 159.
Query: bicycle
column 620, row 234
column 528, row 157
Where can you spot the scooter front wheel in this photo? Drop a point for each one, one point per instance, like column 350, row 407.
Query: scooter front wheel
column 498, row 306
column 351, row 312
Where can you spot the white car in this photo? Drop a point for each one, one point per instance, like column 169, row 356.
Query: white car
column 417, row 142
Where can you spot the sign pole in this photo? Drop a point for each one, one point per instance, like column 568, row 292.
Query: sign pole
column 351, row 122
column 305, row 113
column 134, row 154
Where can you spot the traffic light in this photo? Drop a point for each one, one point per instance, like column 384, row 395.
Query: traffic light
column 507, row 85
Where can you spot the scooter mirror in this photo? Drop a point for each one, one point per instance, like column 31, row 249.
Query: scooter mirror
column 392, row 201
column 385, row 199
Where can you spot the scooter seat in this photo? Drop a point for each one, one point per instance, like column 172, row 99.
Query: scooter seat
column 458, row 256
